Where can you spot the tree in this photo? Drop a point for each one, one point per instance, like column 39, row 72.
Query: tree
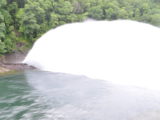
column 23, row 21
column 111, row 10
column 96, row 12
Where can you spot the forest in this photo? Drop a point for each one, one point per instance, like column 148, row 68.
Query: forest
column 24, row 21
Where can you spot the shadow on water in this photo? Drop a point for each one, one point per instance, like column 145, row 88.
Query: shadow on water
column 37, row 95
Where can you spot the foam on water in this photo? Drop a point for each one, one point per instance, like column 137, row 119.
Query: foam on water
column 122, row 51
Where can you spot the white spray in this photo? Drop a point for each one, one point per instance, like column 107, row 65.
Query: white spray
column 122, row 51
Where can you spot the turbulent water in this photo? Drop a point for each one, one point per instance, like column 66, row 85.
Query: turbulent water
column 123, row 52
column 38, row 95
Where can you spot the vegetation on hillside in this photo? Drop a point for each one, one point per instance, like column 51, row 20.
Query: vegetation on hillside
column 23, row 21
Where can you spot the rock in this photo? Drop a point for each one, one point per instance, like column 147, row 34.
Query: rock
column 4, row 70
column 16, row 66
column 12, row 62
column 9, row 67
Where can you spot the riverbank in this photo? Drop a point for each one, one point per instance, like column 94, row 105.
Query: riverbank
column 3, row 70
column 13, row 62
column 11, row 67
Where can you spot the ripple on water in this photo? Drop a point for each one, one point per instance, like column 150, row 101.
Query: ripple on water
column 40, row 95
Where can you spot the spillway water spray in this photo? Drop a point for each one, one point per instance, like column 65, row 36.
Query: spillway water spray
column 122, row 51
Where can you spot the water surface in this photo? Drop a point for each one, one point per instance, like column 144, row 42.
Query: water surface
column 37, row 95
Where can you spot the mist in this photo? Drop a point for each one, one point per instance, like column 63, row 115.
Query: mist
column 122, row 51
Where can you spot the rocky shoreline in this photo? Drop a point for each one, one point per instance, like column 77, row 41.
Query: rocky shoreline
column 10, row 67
column 12, row 63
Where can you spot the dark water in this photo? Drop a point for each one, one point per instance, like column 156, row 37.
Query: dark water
column 37, row 95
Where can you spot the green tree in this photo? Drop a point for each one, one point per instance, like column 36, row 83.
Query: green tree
column 23, row 21
column 111, row 10
column 96, row 12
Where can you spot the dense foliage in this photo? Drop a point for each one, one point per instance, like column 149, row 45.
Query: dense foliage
column 23, row 21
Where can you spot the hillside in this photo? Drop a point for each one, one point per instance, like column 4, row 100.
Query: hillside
column 23, row 21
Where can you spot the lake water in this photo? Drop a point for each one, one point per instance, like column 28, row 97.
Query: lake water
column 37, row 95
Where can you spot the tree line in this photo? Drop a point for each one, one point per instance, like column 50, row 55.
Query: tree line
column 23, row 21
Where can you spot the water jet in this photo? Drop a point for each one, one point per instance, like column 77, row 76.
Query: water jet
column 121, row 51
